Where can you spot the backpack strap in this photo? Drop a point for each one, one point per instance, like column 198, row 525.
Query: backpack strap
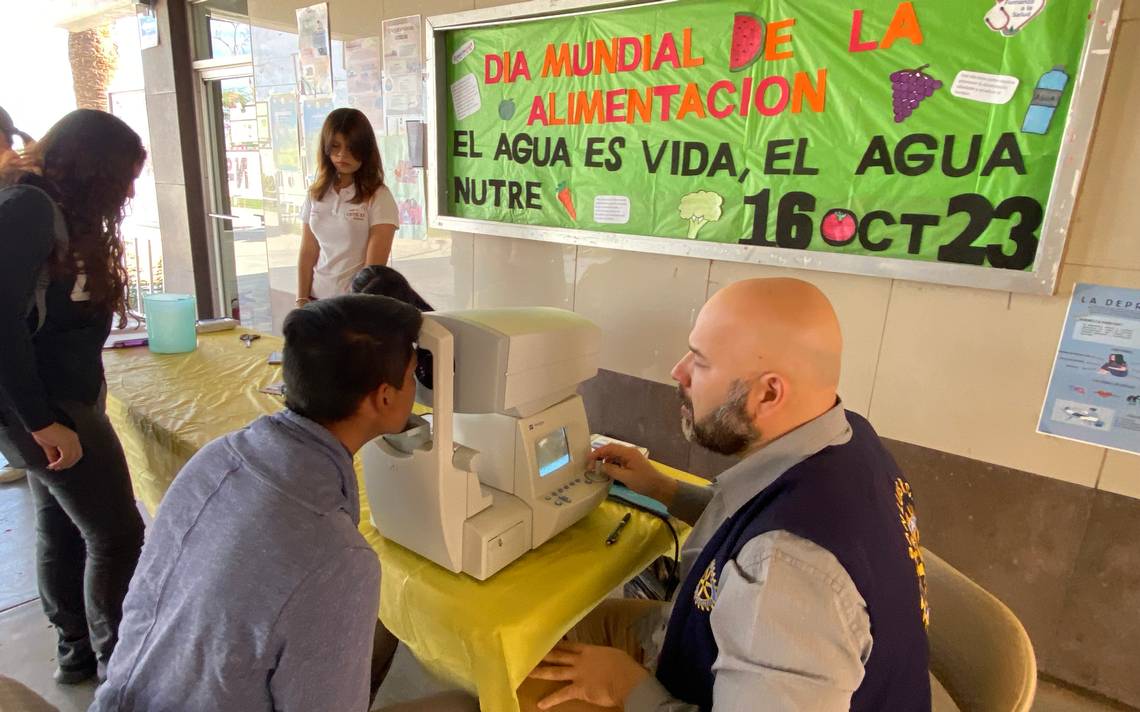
column 43, row 279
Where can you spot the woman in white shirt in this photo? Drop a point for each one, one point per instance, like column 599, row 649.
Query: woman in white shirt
column 349, row 215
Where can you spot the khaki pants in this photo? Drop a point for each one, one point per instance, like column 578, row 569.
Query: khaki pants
column 616, row 622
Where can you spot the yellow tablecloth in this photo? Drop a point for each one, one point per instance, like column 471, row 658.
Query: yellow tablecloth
column 484, row 636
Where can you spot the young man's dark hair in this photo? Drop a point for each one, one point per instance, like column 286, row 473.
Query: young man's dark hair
column 339, row 350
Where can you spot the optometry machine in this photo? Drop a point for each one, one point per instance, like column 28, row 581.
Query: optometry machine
column 499, row 467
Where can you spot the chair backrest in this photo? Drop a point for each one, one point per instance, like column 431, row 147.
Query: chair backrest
column 979, row 650
column 15, row 696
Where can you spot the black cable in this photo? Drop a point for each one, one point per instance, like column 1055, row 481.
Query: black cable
column 674, row 571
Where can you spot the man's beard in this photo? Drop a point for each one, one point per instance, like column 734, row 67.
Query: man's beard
column 728, row 430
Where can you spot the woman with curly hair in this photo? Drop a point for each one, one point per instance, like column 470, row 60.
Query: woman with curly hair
column 62, row 281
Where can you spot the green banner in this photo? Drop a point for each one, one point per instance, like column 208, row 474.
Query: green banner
column 925, row 130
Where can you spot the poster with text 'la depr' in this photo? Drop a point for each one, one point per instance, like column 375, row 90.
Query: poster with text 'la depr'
column 1094, row 392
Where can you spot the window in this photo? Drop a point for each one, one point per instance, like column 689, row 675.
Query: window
column 221, row 30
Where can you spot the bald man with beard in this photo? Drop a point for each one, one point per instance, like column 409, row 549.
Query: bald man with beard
column 802, row 584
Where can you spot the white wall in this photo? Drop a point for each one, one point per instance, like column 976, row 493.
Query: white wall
column 959, row 370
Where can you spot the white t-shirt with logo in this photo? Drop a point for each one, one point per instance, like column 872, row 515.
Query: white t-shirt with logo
column 341, row 228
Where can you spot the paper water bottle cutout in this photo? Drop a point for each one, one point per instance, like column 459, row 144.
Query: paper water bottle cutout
column 1009, row 16
column 1046, row 98
column 909, row 87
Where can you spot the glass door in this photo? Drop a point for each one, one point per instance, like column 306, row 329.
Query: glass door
column 235, row 128
column 237, row 213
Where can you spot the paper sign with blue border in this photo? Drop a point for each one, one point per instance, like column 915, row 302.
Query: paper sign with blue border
column 1094, row 391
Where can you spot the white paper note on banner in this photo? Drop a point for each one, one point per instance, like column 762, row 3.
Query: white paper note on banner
column 986, row 88
column 464, row 49
column 465, row 96
column 611, row 209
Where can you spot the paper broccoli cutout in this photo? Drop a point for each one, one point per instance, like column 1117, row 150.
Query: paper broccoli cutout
column 699, row 209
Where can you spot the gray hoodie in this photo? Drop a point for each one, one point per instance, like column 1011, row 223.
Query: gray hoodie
column 255, row 590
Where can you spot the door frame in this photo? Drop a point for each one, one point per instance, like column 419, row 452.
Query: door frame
column 211, row 136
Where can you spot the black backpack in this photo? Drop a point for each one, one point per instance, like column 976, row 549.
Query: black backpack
column 38, row 300
column 16, row 445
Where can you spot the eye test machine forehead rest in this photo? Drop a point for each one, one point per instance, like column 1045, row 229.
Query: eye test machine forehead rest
column 504, row 467
column 520, row 361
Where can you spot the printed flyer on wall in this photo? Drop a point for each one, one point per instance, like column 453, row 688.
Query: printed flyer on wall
column 403, row 66
column 313, row 48
column 362, row 65
column 1094, row 392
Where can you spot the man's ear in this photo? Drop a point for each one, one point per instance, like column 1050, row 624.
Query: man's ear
column 769, row 391
column 385, row 396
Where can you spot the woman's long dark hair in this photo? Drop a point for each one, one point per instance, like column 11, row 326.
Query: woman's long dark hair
column 88, row 162
column 384, row 281
column 361, row 140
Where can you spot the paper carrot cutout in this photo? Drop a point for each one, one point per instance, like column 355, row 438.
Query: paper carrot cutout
column 563, row 192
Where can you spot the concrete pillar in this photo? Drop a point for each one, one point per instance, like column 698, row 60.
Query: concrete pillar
column 171, row 106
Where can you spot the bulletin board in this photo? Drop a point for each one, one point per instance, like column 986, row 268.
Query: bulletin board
column 928, row 140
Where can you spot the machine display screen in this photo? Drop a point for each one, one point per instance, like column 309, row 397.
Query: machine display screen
column 553, row 452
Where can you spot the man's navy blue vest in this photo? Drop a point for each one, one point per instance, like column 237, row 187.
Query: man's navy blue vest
column 851, row 500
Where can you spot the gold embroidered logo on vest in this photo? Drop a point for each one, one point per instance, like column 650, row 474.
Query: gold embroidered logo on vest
column 904, row 499
column 704, row 597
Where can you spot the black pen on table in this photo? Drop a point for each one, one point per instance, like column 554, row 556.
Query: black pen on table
column 613, row 537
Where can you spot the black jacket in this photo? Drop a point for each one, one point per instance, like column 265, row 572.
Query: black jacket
column 63, row 361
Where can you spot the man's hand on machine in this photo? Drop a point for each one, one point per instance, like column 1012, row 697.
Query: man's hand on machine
column 60, row 445
column 596, row 674
column 632, row 469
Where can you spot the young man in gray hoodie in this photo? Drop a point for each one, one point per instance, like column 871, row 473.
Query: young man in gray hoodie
column 255, row 590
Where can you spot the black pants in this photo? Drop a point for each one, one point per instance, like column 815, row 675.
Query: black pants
column 383, row 652
column 88, row 537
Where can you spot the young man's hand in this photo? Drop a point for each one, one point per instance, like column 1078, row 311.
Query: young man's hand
column 598, row 675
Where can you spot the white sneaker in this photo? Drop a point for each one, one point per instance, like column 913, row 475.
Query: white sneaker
column 10, row 474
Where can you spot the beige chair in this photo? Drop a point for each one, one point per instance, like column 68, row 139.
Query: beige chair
column 15, row 696
column 979, row 652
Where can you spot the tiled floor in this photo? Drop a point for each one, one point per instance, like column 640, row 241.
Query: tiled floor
column 27, row 643
column 27, row 654
column 17, row 545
